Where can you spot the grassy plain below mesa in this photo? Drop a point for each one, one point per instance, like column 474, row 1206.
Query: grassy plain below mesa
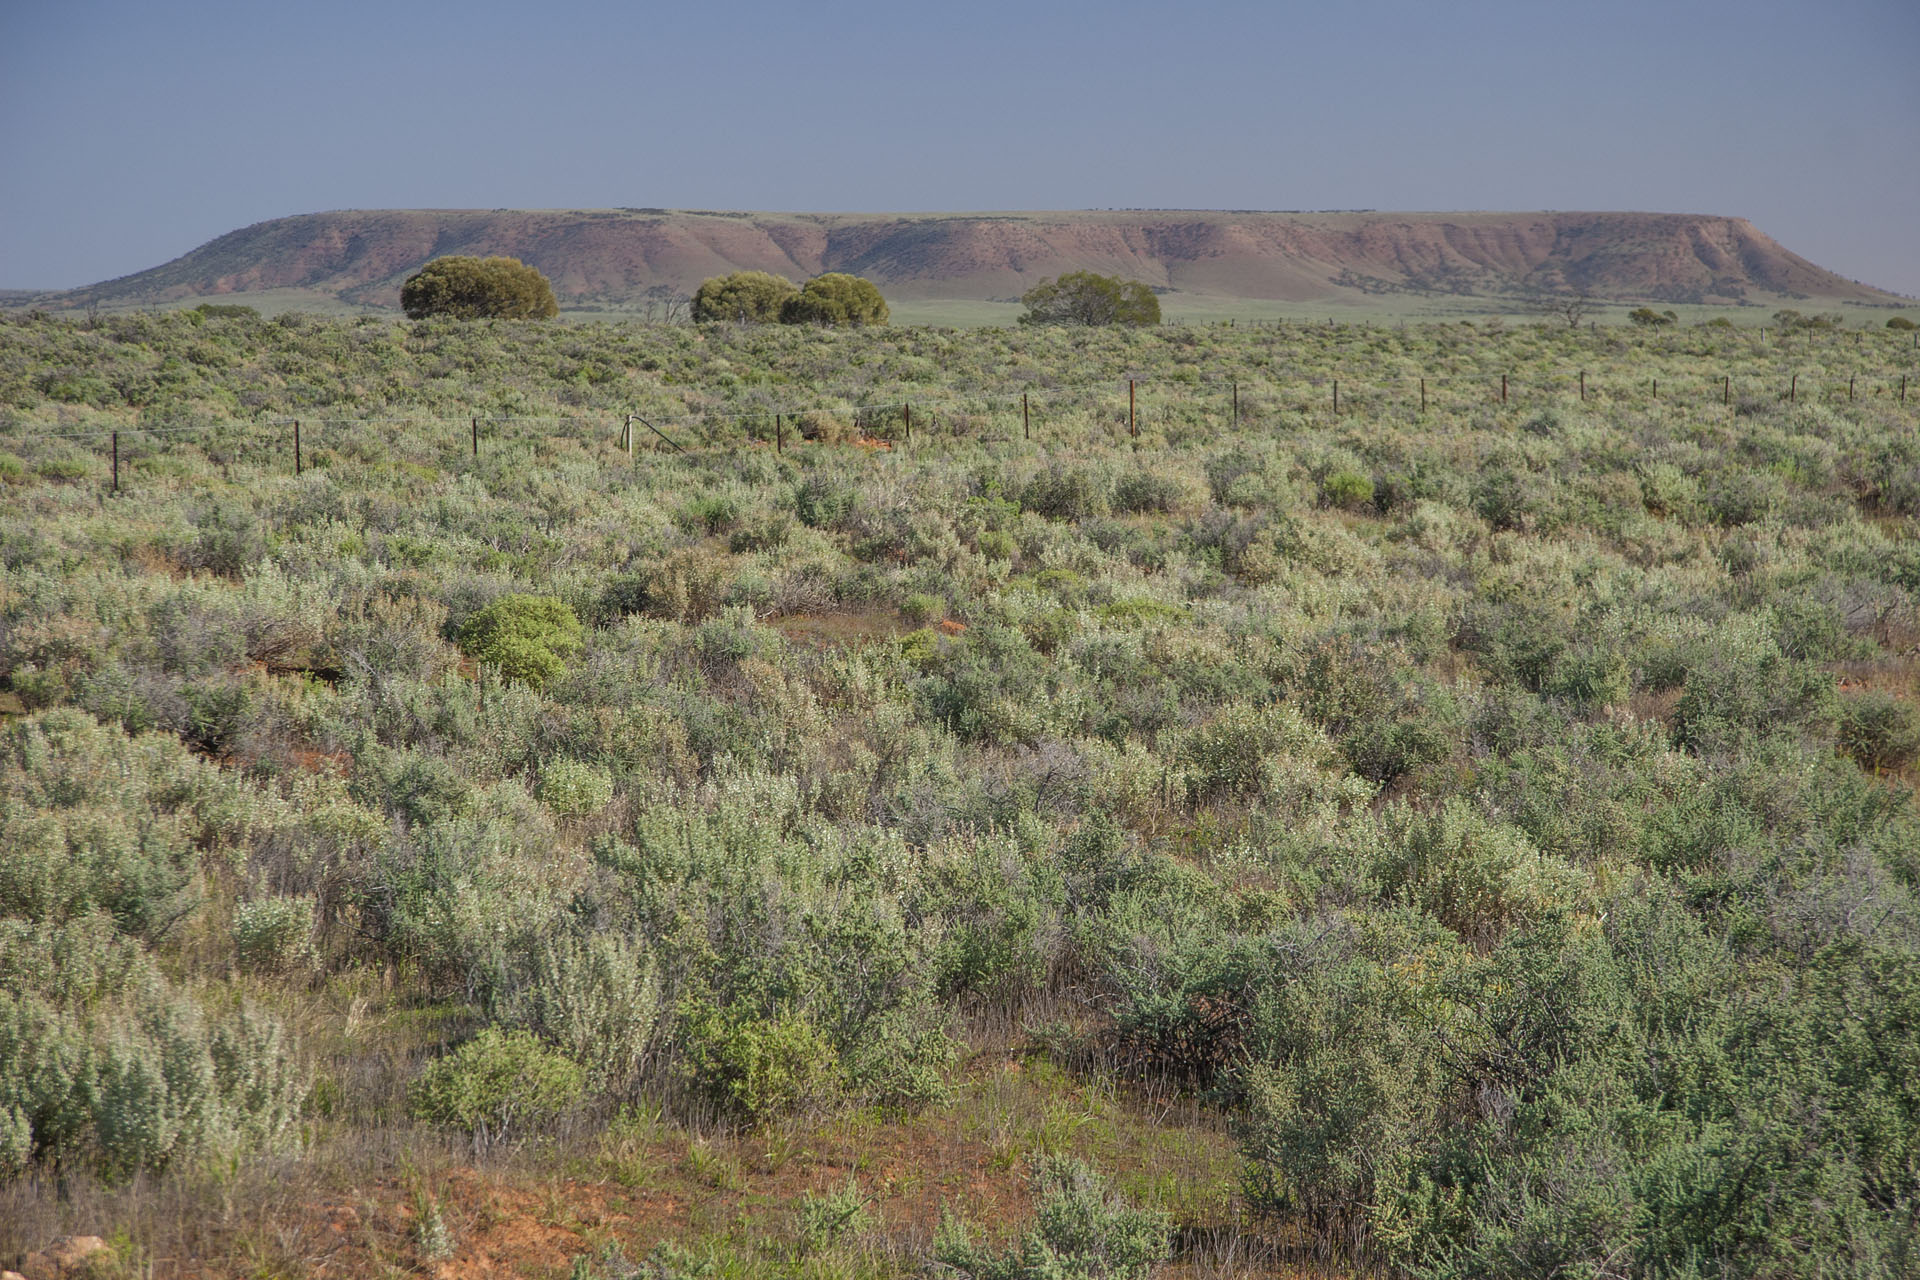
column 1477, row 841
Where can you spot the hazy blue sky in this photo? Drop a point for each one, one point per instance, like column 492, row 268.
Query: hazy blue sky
column 130, row 132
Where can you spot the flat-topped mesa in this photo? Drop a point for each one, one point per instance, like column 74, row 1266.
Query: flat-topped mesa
column 622, row 257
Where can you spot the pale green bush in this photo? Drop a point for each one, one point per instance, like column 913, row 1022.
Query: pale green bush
column 1082, row 1231
column 599, row 999
column 572, row 788
column 104, row 1065
column 96, row 820
column 497, row 1085
column 529, row 638
column 274, row 935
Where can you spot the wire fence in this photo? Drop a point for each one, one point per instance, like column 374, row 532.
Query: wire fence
column 1031, row 412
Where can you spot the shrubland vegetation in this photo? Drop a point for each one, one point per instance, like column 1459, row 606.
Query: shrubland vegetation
column 1490, row 829
column 760, row 297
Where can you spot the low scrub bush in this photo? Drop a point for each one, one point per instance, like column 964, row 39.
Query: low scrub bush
column 274, row 935
column 529, row 638
column 756, row 1069
column 1082, row 1231
column 105, row 1065
column 497, row 1085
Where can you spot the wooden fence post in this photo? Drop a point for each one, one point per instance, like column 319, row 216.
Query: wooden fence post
column 1903, row 388
column 907, row 413
column 1656, row 388
column 779, row 434
column 1726, row 388
column 1849, row 388
column 1236, row 402
column 1423, row 395
column 1583, row 386
column 475, row 423
column 1793, row 389
column 1133, row 420
column 1026, row 417
column 1503, row 388
column 1336, row 391
column 116, row 462
column 296, row 447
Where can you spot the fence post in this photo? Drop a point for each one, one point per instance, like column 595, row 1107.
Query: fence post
column 907, row 411
column 1726, row 388
column 779, row 433
column 1656, row 388
column 1503, row 388
column 1903, row 388
column 1793, row 389
column 1583, row 386
column 1026, row 417
column 475, row 423
column 1849, row 388
column 296, row 447
column 1236, row 402
column 116, row 462
column 1133, row 420
column 1423, row 395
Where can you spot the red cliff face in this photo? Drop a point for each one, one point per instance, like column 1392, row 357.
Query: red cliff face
column 616, row 257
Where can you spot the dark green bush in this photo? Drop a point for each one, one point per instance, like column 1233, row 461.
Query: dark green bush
column 467, row 288
column 1347, row 489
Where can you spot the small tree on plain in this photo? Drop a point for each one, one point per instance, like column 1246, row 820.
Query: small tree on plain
column 837, row 299
column 745, row 297
column 467, row 288
column 1648, row 318
column 1086, row 297
column 1574, row 310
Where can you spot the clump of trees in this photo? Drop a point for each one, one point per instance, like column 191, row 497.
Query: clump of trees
column 467, row 288
column 1088, row 298
column 760, row 297
column 1648, row 318
column 837, row 299
column 747, row 297
column 1788, row 318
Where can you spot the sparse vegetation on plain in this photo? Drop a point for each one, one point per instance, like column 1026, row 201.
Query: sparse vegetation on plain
column 1226, row 837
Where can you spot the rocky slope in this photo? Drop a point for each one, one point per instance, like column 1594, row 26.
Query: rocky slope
column 618, row 258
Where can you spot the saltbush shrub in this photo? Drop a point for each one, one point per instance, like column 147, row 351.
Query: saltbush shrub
column 1148, row 491
column 496, row 1086
column 105, row 1065
column 573, row 788
column 1879, row 729
column 1082, row 1230
column 756, row 1069
column 274, row 935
